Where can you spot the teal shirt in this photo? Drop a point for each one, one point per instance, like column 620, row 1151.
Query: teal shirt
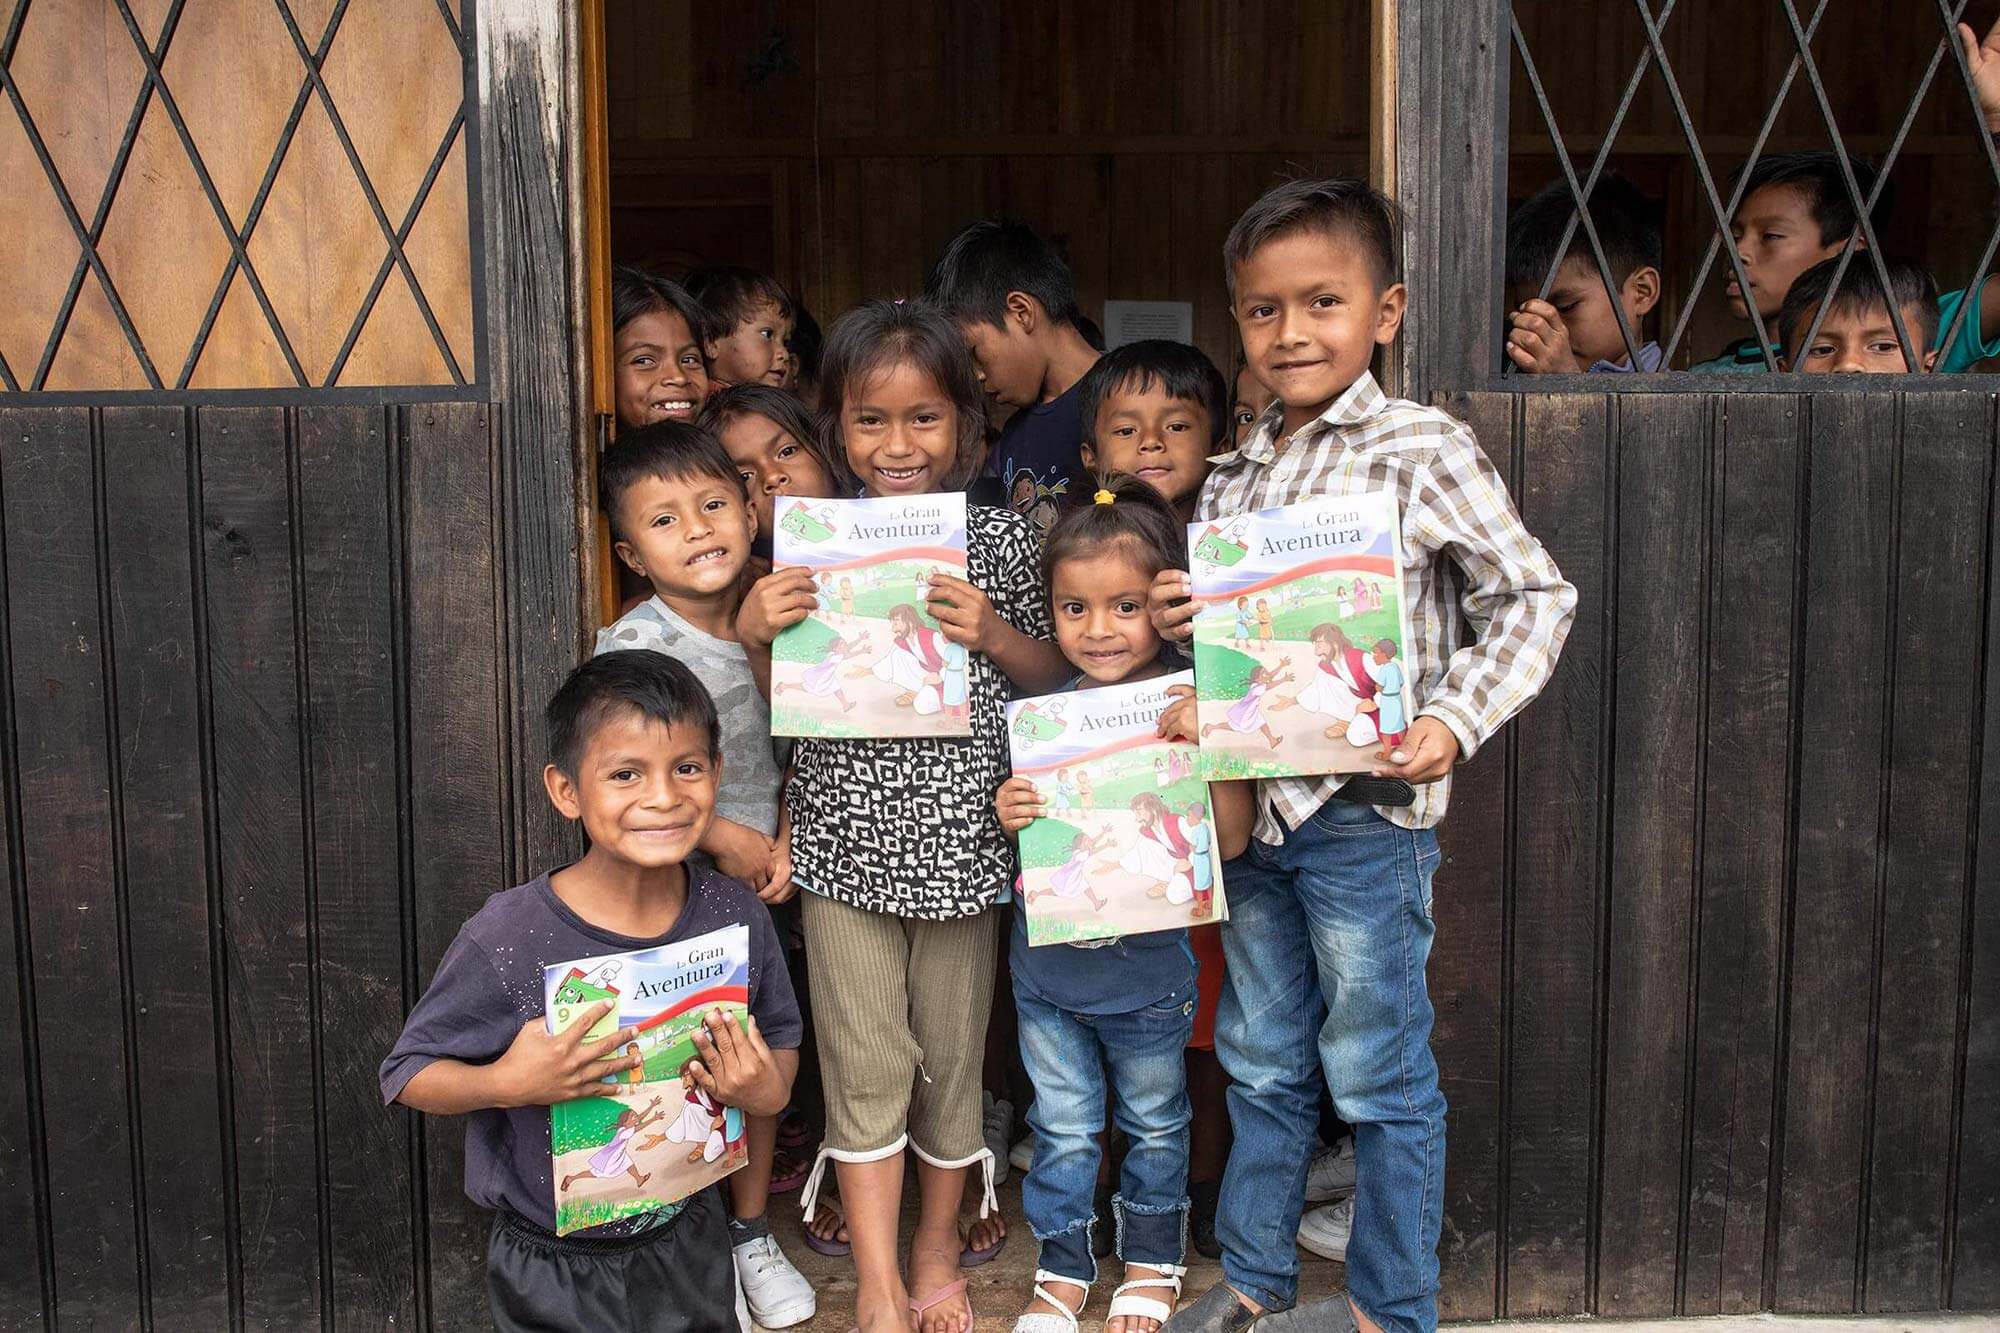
column 1966, row 350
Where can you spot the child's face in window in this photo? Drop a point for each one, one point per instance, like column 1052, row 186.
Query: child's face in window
column 1251, row 400
column 755, row 351
column 772, row 463
column 687, row 536
column 644, row 791
column 1099, row 599
column 1778, row 240
column 1859, row 342
column 1010, row 363
column 900, row 430
column 1584, row 307
column 660, row 372
column 1311, row 315
column 1162, row 441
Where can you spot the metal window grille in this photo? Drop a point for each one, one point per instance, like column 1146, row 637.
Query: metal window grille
column 87, row 218
column 1719, row 204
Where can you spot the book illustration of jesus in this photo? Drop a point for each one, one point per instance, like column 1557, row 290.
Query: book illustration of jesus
column 1126, row 846
column 649, row 1137
column 869, row 659
column 1320, row 584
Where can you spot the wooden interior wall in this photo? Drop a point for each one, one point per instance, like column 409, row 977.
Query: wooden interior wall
column 1718, row 956
column 1730, row 60
column 253, row 780
column 274, row 196
column 840, row 144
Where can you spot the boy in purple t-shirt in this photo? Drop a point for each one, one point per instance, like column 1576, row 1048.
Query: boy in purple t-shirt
column 1012, row 297
column 633, row 740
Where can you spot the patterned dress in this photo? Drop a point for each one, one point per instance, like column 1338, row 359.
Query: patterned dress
column 907, row 826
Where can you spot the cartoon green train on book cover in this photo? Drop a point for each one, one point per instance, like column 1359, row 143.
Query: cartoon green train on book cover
column 1301, row 642
column 653, row 1136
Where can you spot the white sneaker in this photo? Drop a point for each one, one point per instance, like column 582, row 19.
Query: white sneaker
column 778, row 1293
column 1324, row 1231
column 1331, row 1175
column 1022, row 1154
column 996, row 1122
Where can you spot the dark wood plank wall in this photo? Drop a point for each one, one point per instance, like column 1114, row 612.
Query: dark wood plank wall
column 255, row 776
column 1717, row 1016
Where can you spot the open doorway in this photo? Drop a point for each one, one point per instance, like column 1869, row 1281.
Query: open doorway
column 838, row 146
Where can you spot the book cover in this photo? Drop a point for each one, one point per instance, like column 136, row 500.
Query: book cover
column 1301, row 641
column 869, row 660
column 652, row 1137
column 1128, row 845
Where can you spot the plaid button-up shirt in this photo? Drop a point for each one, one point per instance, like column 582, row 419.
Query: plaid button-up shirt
column 1497, row 578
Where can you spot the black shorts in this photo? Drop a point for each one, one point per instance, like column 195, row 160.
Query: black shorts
column 672, row 1279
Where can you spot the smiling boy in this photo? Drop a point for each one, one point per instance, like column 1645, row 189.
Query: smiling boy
column 1156, row 410
column 1330, row 886
column 633, row 758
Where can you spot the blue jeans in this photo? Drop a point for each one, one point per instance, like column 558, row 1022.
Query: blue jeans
column 1066, row 1054
column 1327, row 938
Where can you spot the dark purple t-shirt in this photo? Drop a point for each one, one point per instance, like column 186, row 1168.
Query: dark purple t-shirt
column 489, row 983
column 1038, row 459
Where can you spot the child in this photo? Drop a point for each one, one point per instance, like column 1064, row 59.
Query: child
column 1576, row 327
column 635, row 757
column 1013, row 299
column 1858, row 333
column 1327, row 882
column 750, row 321
column 682, row 523
column 1111, row 1016
column 771, row 439
column 1155, row 410
column 660, row 369
column 895, row 841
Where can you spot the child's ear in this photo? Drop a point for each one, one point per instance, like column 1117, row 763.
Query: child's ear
column 1641, row 291
column 1930, row 360
column 1088, row 453
column 630, row 557
column 562, row 792
column 1025, row 312
column 1389, row 317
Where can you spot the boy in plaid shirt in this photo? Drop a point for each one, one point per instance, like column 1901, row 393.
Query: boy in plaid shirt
column 1332, row 901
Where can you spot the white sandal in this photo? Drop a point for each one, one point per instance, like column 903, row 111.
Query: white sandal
column 1147, row 1307
column 1041, row 1321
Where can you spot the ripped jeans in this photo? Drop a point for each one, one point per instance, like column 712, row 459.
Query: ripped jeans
column 1068, row 1055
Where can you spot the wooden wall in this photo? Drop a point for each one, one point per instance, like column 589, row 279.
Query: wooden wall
column 254, row 778
column 1730, row 61
column 1718, row 959
column 841, row 144
column 272, row 196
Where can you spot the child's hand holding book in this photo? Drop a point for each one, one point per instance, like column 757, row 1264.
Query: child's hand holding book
column 1018, row 804
column 736, row 1068
column 541, row 1069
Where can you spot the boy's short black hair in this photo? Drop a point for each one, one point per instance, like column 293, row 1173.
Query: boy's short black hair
column 988, row 259
column 1860, row 290
column 1339, row 206
column 669, row 450
column 731, row 293
column 1818, row 177
column 1621, row 214
column 638, row 680
column 635, row 292
column 1179, row 370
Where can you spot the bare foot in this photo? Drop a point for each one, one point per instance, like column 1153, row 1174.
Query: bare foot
column 933, row 1267
column 827, row 1223
column 644, row 1178
column 980, row 1233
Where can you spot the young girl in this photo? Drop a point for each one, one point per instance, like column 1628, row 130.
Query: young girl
column 656, row 349
column 771, row 440
column 1111, row 1016
column 896, row 841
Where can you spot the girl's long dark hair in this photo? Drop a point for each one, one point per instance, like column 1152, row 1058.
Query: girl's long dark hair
column 1136, row 514
column 876, row 335
column 776, row 406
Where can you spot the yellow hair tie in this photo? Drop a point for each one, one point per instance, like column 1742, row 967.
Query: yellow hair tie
column 1105, row 497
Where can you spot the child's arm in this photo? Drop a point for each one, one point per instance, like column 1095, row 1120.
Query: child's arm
column 774, row 602
column 967, row 617
column 779, row 888
column 1235, row 806
column 537, row 1070
column 1018, row 805
column 1514, row 596
column 740, row 852
column 737, row 1069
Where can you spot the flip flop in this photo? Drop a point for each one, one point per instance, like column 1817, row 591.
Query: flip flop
column 835, row 1248
column 788, row 1173
column 943, row 1294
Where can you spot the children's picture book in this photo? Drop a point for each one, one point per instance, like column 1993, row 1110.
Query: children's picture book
column 652, row 1137
column 1128, row 844
column 1301, row 640
column 869, row 660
